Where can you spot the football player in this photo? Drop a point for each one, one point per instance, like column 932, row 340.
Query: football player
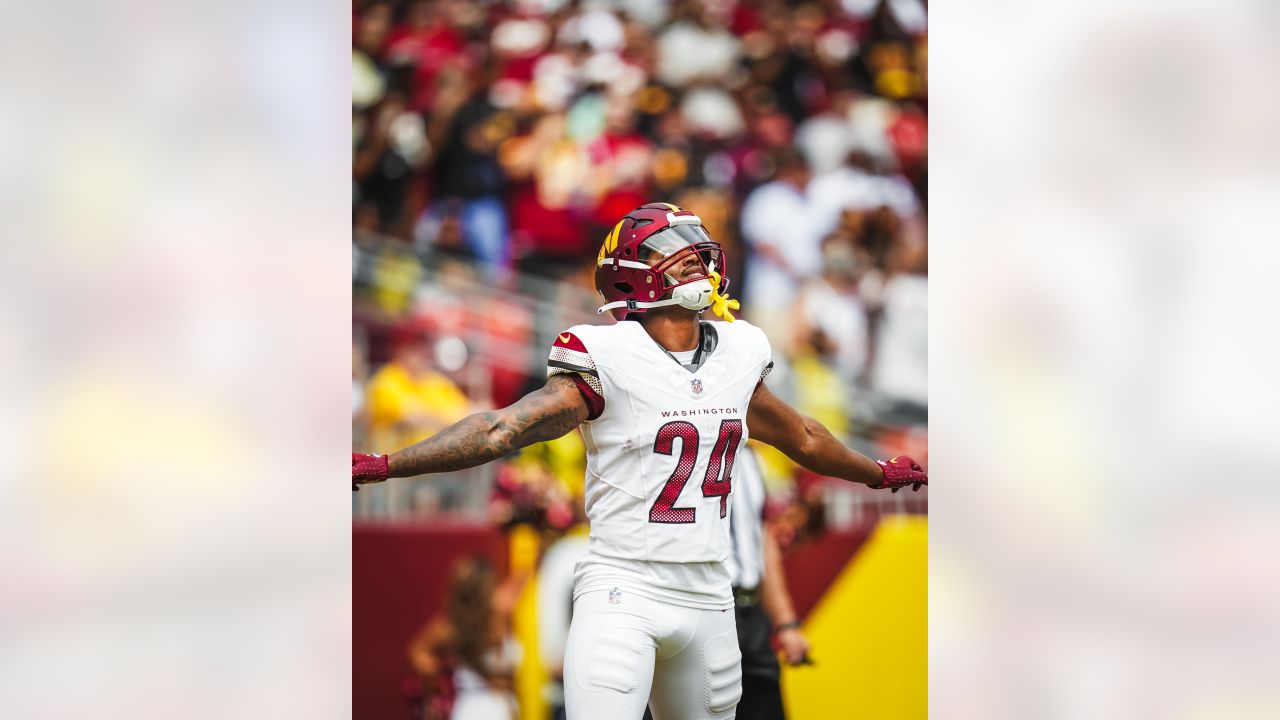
column 665, row 402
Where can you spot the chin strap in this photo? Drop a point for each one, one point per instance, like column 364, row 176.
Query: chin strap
column 721, row 304
column 635, row 305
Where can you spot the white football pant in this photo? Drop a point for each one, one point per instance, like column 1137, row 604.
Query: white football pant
column 625, row 650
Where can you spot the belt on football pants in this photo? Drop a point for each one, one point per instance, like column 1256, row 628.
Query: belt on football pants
column 746, row 596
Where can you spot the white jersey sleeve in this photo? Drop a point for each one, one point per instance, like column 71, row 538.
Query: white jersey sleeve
column 570, row 356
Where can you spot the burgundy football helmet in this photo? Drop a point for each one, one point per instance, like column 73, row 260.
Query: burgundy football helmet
column 658, row 255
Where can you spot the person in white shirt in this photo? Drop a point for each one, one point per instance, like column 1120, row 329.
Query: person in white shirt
column 831, row 317
column 900, row 369
column 783, row 250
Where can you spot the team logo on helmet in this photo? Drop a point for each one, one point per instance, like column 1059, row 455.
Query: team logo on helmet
column 610, row 241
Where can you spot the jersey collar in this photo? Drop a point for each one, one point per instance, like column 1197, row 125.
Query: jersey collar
column 708, row 338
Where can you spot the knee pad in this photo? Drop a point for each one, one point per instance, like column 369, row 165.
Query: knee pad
column 723, row 686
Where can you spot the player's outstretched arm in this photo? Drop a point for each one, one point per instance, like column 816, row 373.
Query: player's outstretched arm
column 544, row 414
column 810, row 444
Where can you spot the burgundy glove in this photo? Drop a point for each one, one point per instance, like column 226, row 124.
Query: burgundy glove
column 901, row 472
column 368, row 468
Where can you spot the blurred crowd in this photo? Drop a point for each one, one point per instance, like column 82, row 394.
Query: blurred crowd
column 495, row 143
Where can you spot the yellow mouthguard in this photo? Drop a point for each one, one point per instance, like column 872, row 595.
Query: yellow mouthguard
column 721, row 304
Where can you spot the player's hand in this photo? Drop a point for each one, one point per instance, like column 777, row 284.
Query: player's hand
column 901, row 472
column 368, row 469
column 794, row 646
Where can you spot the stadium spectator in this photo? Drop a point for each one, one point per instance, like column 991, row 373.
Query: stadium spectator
column 697, row 46
column 900, row 375
column 371, row 26
column 426, row 42
column 467, row 173
column 408, row 399
column 392, row 146
column 465, row 658
column 547, row 229
column 830, row 317
column 774, row 226
column 860, row 184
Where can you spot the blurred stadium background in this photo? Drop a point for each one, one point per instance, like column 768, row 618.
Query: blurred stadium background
column 493, row 145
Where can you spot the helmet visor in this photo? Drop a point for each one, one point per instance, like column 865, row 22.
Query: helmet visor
column 668, row 252
column 671, row 241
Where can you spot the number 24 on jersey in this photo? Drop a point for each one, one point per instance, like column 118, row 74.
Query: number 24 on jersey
column 716, row 483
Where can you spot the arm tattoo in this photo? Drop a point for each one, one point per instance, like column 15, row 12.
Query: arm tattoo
column 544, row 414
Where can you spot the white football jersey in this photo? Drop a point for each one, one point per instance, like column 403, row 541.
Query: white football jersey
column 661, row 444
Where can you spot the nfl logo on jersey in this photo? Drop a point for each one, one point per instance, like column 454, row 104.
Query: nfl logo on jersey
column 697, row 386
